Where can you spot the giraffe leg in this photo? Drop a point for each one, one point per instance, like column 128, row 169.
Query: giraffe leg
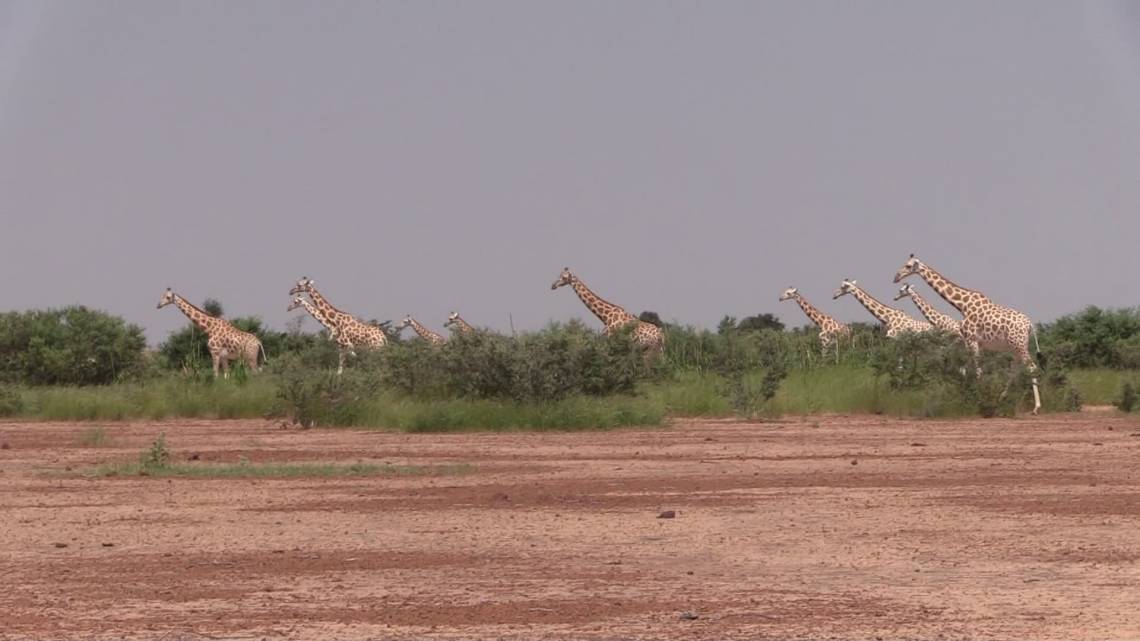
column 340, row 364
column 217, row 358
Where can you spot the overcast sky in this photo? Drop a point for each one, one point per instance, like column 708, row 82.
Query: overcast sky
column 693, row 158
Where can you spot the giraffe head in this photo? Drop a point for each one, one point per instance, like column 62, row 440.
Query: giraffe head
column 911, row 266
column 297, row 302
column 789, row 294
column 904, row 291
column 303, row 285
column 167, row 298
column 404, row 323
column 565, row 278
column 452, row 319
column 849, row 286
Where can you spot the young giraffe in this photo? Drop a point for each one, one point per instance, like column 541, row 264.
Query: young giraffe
column 895, row 321
column 830, row 330
column 431, row 337
column 614, row 317
column 984, row 322
column 455, row 322
column 225, row 342
column 344, row 345
column 358, row 333
column 941, row 321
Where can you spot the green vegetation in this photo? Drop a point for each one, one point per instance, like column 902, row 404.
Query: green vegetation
column 69, row 346
column 75, row 364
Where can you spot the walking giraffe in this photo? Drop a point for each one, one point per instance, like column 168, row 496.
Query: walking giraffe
column 985, row 324
column 456, row 323
column 830, row 330
column 941, row 321
column 344, row 346
column 431, row 337
column 225, row 342
column 358, row 333
column 895, row 321
column 614, row 317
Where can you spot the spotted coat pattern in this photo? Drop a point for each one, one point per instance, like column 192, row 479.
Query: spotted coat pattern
column 895, row 321
column 614, row 317
column 941, row 321
column 456, row 322
column 225, row 342
column 344, row 345
column 432, row 337
column 985, row 324
column 360, row 334
column 830, row 330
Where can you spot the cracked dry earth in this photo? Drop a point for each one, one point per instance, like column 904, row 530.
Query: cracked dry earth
column 839, row 527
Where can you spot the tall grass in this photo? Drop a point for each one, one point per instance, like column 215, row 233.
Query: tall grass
column 1102, row 386
column 152, row 400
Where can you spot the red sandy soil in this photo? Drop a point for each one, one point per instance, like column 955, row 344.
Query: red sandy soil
column 838, row 527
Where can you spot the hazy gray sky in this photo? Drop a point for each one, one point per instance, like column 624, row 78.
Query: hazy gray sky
column 693, row 158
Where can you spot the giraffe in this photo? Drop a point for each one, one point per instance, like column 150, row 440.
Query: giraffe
column 941, row 321
column 225, row 342
column 985, row 324
column 830, row 330
column 357, row 332
column 895, row 321
column 455, row 322
column 344, row 345
column 614, row 317
column 431, row 337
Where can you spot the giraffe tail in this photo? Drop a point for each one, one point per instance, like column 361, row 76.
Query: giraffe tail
column 1037, row 347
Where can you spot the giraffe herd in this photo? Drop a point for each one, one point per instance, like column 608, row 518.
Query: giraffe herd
column 984, row 325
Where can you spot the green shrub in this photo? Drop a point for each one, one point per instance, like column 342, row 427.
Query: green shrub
column 68, row 346
column 11, row 403
column 1127, row 400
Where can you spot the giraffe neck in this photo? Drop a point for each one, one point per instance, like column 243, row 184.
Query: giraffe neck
column 464, row 326
column 204, row 321
column 330, row 313
column 931, row 314
column 814, row 314
column 320, row 316
column 424, row 332
column 958, row 296
column 878, row 310
column 606, row 312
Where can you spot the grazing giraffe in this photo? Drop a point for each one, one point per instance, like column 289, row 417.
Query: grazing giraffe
column 941, row 321
column 985, row 324
column 830, row 330
column 357, row 332
column 614, row 317
column 225, row 342
column 455, row 322
column 895, row 321
column 344, row 345
column 431, row 337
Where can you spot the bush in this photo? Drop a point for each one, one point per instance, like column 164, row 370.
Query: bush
column 1094, row 337
column 68, row 346
column 11, row 403
column 1127, row 400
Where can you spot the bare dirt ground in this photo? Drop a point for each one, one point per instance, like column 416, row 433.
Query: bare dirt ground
column 852, row 528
